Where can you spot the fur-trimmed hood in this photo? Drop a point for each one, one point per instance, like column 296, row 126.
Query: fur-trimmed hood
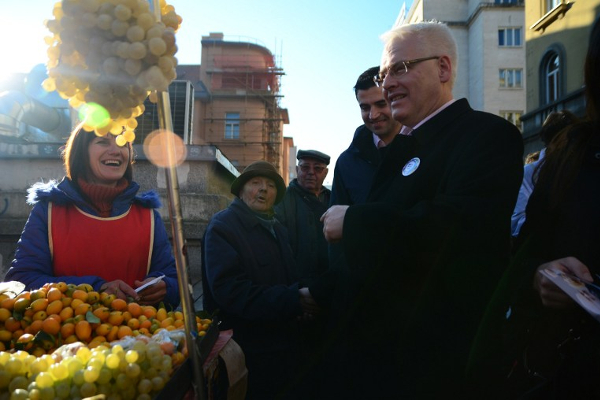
column 65, row 192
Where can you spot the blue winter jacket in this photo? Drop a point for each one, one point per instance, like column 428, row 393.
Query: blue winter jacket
column 33, row 264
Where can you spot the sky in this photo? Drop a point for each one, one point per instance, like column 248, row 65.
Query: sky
column 323, row 46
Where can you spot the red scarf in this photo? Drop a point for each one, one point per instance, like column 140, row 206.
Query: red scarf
column 102, row 197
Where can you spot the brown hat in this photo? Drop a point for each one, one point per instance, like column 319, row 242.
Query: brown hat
column 259, row 168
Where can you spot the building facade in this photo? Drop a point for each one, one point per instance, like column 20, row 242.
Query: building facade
column 491, row 50
column 557, row 37
column 237, row 95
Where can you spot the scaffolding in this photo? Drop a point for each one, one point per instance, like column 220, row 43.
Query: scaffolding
column 244, row 77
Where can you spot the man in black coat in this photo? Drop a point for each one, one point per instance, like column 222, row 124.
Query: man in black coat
column 356, row 166
column 432, row 240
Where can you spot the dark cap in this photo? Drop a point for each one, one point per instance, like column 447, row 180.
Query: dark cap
column 259, row 168
column 314, row 154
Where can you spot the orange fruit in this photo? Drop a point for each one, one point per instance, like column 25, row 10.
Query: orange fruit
column 75, row 303
column 103, row 329
column 71, row 339
column 166, row 322
column 51, row 326
column 66, row 301
column 93, row 297
column 8, row 303
column 12, row 324
column 118, row 304
column 161, row 314
column 17, row 334
column 40, row 315
column 108, row 298
column 39, row 305
column 123, row 331
column 149, row 311
column 178, row 324
column 102, row 313
column 144, row 331
column 145, row 324
column 126, row 316
column 21, row 304
column 80, row 294
column 56, row 317
column 67, row 330
column 178, row 315
column 4, row 314
column 24, row 295
column 115, row 318
column 37, row 294
column 62, row 286
column 54, row 307
column 35, row 327
column 83, row 330
column 135, row 309
column 133, row 323
column 82, row 309
column 66, row 313
column 5, row 335
column 54, row 294
column 26, row 339
column 38, row 352
column 112, row 335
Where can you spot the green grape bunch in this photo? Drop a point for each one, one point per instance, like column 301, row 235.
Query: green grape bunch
column 113, row 53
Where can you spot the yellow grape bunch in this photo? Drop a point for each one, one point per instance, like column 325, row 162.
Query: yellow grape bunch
column 110, row 54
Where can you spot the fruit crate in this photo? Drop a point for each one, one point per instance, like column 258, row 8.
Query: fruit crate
column 181, row 380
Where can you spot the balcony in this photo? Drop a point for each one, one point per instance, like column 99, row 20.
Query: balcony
column 533, row 120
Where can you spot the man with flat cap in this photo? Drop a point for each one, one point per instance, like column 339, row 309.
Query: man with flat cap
column 305, row 200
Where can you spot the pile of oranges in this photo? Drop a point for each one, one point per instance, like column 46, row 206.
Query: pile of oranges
column 39, row 321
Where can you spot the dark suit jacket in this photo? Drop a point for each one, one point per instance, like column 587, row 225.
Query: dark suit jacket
column 431, row 243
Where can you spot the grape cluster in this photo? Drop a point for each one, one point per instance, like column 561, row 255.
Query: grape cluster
column 112, row 53
column 138, row 372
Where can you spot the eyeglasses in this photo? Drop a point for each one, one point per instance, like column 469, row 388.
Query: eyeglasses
column 398, row 69
column 317, row 168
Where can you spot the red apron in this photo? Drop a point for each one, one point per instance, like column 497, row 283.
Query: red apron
column 111, row 248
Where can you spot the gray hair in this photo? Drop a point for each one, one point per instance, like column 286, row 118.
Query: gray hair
column 433, row 36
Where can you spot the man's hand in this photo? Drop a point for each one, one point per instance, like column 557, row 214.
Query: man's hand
column 152, row 294
column 310, row 307
column 550, row 294
column 119, row 289
column 333, row 223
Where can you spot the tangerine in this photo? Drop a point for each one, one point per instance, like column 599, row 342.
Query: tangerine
column 66, row 313
column 8, row 303
column 51, row 326
column 12, row 324
column 54, row 307
column 115, row 318
column 39, row 304
column 67, row 329
column 118, row 304
column 135, row 309
column 54, row 294
column 83, row 308
column 123, row 331
column 83, row 330
column 4, row 314
column 80, row 294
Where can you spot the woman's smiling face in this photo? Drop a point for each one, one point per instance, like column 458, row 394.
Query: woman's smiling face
column 107, row 161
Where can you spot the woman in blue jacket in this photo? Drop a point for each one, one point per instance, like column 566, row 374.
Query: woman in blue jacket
column 92, row 227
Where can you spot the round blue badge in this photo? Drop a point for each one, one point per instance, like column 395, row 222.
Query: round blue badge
column 411, row 166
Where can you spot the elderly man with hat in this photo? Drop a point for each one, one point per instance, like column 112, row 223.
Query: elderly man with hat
column 249, row 276
column 305, row 200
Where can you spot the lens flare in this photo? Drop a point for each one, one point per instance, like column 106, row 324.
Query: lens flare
column 156, row 148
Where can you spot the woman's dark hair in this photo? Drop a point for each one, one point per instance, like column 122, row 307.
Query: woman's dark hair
column 76, row 155
column 565, row 153
column 556, row 122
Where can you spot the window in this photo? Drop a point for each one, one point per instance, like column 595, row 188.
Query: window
column 550, row 4
column 232, row 125
column 513, row 117
column 506, row 1
column 509, row 37
column 511, row 78
column 552, row 78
